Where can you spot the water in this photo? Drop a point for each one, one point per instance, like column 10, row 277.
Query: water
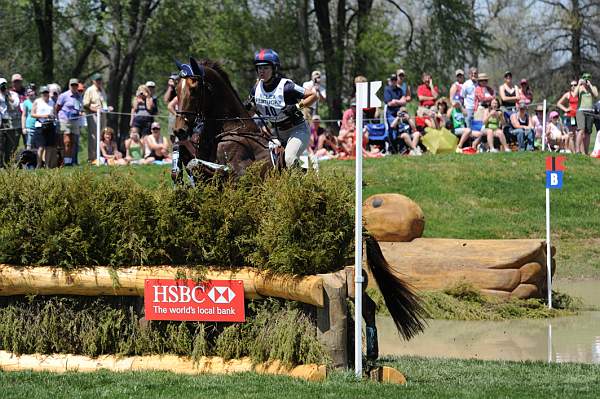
column 565, row 339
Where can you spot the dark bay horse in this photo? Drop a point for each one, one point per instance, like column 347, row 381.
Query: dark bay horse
column 217, row 135
column 215, row 132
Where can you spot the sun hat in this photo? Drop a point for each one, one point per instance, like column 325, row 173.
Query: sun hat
column 459, row 72
column 73, row 81
column 553, row 114
column 539, row 108
column 523, row 81
column 155, row 124
column 482, row 76
column 44, row 89
column 315, row 74
column 393, row 77
column 96, row 76
column 316, row 118
column 400, row 72
column 16, row 76
column 150, row 84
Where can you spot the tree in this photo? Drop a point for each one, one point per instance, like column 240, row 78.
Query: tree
column 43, row 13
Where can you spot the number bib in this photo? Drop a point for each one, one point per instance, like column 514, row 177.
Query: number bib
column 270, row 103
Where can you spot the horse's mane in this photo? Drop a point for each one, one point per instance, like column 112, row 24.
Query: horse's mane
column 218, row 68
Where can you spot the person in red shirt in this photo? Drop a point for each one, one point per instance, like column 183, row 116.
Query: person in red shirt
column 427, row 92
column 484, row 94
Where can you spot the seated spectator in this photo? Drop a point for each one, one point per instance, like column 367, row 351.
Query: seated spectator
column 407, row 131
column 457, row 115
column 525, row 94
column 484, row 95
column 109, row 150
column 537, row 120
column 330, row 147
column 134, row 149
column 347, row 142
column 456, row 88
column 494, row 122
column 522, row 127
column 441, row 114
column 557, row 136
column 509, row 92
column 427, row 94
column 142, row 107
column 157, row 148
column 45, row 136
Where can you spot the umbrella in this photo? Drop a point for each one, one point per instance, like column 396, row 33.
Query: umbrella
column 439, row 141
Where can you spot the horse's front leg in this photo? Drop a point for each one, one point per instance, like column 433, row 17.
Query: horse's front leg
column 369, row 311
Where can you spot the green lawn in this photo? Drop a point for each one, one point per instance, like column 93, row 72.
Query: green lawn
column 485, row 196
column 427, row 378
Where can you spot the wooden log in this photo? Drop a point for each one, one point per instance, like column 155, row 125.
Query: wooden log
column 45, row 280
column 497, row 267
column 175, row 364
column 393, row 217
column 332, row 320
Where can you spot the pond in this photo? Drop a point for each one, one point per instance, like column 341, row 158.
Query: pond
column 564, row 339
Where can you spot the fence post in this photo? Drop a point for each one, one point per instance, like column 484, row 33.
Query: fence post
column 98, row 132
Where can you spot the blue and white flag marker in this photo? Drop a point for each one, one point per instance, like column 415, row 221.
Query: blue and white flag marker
column 365, row 98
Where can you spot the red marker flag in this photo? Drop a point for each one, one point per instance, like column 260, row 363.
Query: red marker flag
column 554, row 164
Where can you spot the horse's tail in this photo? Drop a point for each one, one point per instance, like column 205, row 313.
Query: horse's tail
column 403, row 304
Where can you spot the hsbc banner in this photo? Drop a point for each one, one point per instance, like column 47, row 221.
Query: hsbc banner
column 188, row 300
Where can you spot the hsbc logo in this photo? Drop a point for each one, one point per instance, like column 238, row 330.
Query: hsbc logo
column 221, row 295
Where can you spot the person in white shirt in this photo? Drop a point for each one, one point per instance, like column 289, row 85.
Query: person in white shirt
column 314, row 83
column 467, row 92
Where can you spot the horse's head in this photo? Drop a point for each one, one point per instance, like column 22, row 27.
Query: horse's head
column 193, row 91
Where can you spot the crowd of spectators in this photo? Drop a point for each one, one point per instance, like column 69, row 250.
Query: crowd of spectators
column 50, row 122
column 47, row 123
column 481, row 117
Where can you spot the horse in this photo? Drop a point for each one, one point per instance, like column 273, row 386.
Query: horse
column 216, row 130
column 216, row 134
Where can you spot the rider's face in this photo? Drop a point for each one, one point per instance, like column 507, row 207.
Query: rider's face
column 265, row 72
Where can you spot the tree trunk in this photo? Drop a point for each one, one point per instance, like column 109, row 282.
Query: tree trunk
column 126, row 104
column 84, row 55
column 362, row 18
column 43, row 11
column 304, row 58
column 576, row 19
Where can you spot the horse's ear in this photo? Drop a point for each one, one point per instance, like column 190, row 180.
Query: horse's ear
column 178, row 63
column 195, row 66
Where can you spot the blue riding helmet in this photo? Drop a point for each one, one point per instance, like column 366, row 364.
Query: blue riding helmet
column 267, row 57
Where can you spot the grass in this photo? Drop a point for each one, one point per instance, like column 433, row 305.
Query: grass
column 427, row 378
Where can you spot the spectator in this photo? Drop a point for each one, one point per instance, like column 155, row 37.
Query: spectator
column 509, row 92
column 109, row 150
column 17, row 91
column 395, row 96
column 556, row 134
column 456, row 87
column 538, row 127
column 54, row 93
column 468, row 94
column 427, row 94
column 94, row 99
column 317, row 136
column 157, row 149
column 484, row 95
column 28, row 121
column 407, row 131
column 494, row 122
column 525, row 94
column 457, row 116
column 8, row 138
column 45, row 129
column 441, row 114
column 314, row 82
column 522, row 127
column 152, row 90
column 141, row 111
column 586, row 92
column 170, row 95
column 570, row 113
column 68, row 108
column 82, row 123
column 134, row 149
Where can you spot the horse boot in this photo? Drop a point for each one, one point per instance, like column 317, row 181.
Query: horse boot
column 369, row 312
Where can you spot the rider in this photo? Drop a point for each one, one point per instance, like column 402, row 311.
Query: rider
column 279, row 100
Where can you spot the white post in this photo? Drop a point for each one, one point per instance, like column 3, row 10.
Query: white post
column 544, row 129
column 358, row 278
column 98, row 132
column 549, row 342
column 548, row 250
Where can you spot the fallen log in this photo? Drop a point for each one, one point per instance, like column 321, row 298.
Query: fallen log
column 172, row 363
column 501, row 268
column 101, row 280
